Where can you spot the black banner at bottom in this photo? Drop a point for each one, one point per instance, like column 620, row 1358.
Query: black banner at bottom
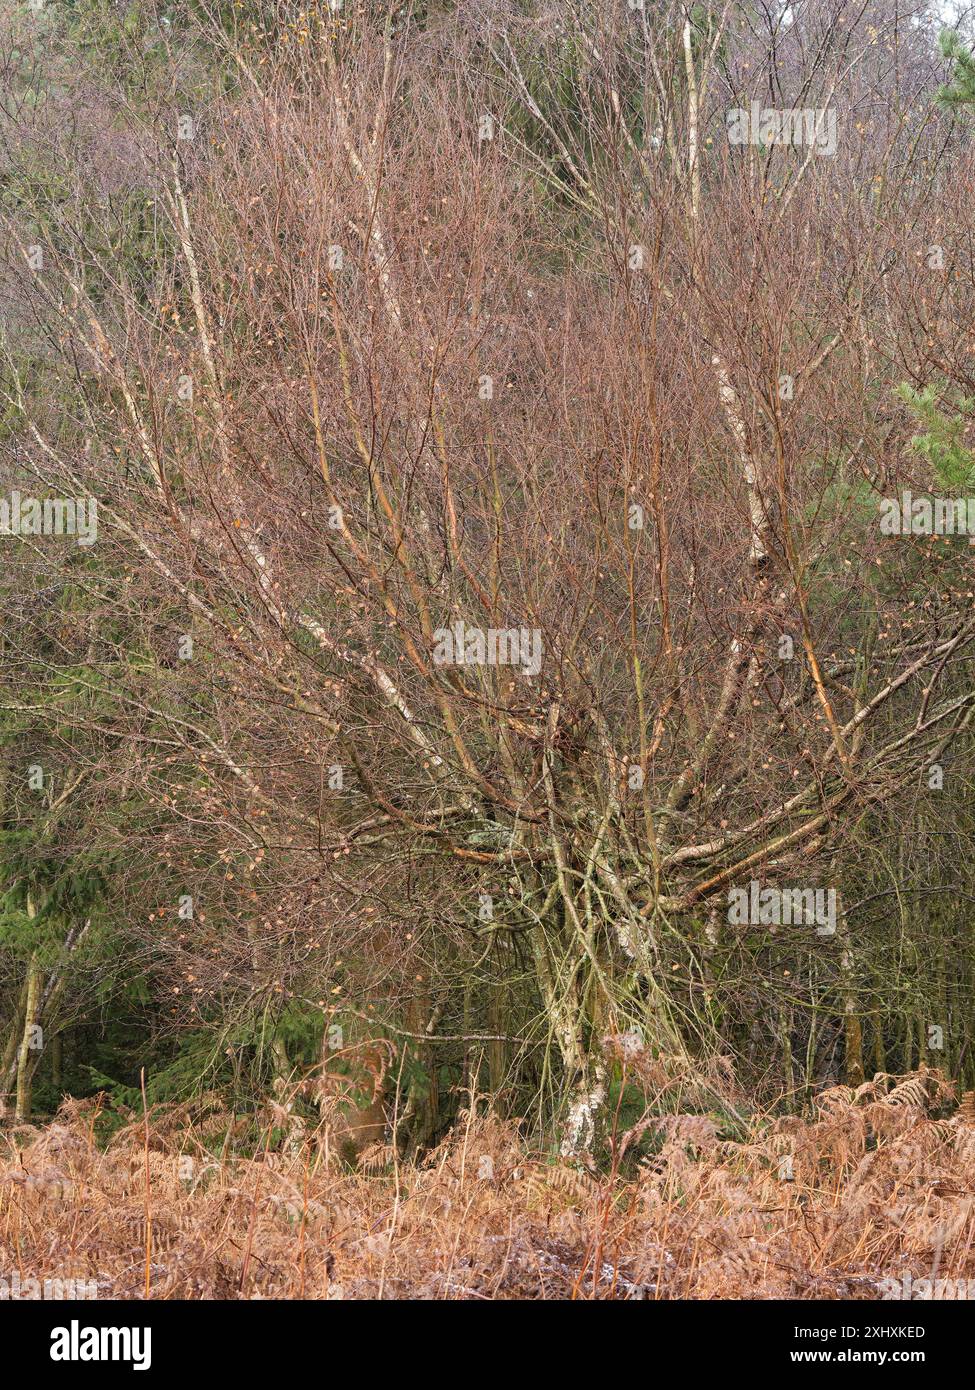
column 171, row 1338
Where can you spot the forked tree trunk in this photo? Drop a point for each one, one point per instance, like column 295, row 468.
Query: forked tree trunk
column 586, row 1075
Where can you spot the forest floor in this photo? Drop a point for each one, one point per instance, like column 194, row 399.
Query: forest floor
column 876, row 1185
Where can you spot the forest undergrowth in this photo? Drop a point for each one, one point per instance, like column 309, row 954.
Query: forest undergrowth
column 873, row 1185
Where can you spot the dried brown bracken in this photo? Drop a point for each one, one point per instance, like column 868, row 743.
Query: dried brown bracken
column 872, row 1185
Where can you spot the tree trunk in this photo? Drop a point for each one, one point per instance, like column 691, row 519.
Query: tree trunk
column 56, row 1063
column 788, row 1067
column 852, row 1029
column 25, row 1068
column 586, row 1076
column 11, row 1050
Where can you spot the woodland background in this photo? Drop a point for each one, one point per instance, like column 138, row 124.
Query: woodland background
column 359, row 322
